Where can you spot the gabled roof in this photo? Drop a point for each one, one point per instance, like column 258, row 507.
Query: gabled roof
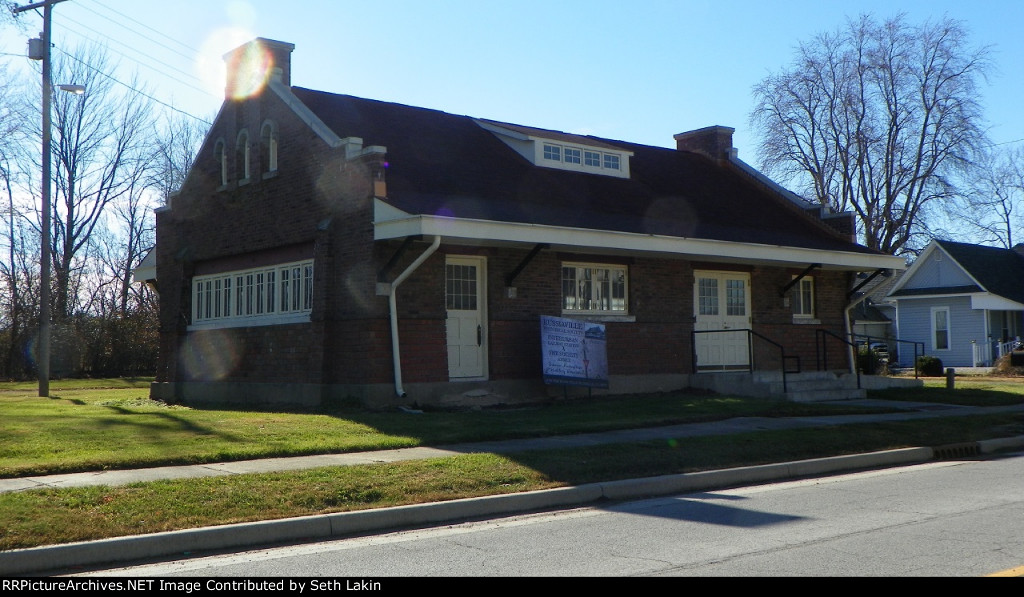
column 992, row 269
column 441, row 164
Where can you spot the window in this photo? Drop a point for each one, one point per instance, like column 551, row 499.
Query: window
column 268, row 147
column 242, row 157
column 572, row 155
column 611, row 161
column 801, row 297
column 575, row 158
column 273, row 294
column 940, row 328
column 552, row 152
column 594, row 288
column 221, row 153
column 592, row 159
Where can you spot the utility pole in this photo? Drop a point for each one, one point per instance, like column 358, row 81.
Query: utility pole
column 43, row 345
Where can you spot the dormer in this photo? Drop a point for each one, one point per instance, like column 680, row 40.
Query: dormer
column 563, row 151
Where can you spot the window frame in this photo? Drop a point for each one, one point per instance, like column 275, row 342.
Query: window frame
column 253, row 296
column 220, row 151
column 611, row 297
column 935, row 329
column 269, row 148
column 797, row 301
column 242, row 157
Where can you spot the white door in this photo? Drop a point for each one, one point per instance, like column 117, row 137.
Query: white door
column 466, row 329
column 721, row 302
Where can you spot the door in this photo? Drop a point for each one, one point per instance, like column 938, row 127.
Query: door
column 721, row 302
column 466, row 329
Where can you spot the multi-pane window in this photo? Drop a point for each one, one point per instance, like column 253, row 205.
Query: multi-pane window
column 735, row 297
column 707, row 296
column 242, row 156
column 594, row 288
column 574, row 156
column 940, row 328
column 240, row 296
column 801, row 298
column 460, row 287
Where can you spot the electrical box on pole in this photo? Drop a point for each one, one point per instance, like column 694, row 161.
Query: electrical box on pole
column 36, row 49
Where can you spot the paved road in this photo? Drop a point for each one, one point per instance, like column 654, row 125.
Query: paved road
column 342, row 524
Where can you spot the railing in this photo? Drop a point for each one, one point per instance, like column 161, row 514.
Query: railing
column 821, row 350
column 869, row 339
column 751, row 334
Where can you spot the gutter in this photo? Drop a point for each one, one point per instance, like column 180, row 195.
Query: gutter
column 396, row 354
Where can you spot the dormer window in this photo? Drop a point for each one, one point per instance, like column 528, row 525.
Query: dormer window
column 564, row 151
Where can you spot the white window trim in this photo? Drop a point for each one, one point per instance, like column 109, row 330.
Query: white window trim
column 796, row 299
column 221, row 290
column 221, row 151
column 949, row 332
column 269, row 147
column 243, row 157
column 610, row 313
column 603, row 155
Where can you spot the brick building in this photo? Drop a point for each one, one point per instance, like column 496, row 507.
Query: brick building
column 325, row 246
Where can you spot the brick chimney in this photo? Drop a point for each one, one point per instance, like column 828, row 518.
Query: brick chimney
column 712, row 141
column 251, row 65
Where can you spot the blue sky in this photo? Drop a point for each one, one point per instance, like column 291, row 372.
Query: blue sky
column 640, row 71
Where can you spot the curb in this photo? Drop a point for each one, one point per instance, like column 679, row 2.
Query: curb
column 328, row 526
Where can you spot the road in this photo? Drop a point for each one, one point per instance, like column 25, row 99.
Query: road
column 958, row 518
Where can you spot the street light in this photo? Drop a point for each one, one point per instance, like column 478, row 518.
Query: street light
column 43, row 347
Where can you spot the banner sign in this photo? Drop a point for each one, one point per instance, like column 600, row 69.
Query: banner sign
column 574, row 352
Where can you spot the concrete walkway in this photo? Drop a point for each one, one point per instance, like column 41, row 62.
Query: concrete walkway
column 320, row 527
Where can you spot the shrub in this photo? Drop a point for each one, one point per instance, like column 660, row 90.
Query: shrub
column 929, row 366
column 867, row 361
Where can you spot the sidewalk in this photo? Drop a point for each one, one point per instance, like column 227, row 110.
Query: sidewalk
column 322, row 527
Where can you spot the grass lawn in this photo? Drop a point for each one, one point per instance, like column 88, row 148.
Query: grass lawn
column 112, row 424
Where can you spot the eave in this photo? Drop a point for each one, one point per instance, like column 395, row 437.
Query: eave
column 392, row 223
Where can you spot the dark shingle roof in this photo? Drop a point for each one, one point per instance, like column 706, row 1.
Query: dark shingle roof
column 999, row 271
column 439, row 163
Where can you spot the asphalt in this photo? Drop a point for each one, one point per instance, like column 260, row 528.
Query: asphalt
column 234, row 537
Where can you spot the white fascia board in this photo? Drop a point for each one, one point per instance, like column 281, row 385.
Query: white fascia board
column 305, row 114
column 994, row 302
column 916, row 265
column 609, row 241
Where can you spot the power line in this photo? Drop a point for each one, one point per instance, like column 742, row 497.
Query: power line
column 132, row 89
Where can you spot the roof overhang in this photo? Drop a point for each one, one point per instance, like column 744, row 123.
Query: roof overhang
column 393, row 223
column 146, row 270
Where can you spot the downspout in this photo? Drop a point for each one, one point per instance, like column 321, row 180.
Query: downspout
column 849, row 331
column 396, row 354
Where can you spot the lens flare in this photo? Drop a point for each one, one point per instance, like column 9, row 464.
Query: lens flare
column 209, row 355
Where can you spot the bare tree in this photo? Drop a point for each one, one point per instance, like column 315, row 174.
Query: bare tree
column 992, row 208
column 100, row 143
column 877, row 118
column 174, row 151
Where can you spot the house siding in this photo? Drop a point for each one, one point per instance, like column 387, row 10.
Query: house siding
column 937, row 273
column 966, row 326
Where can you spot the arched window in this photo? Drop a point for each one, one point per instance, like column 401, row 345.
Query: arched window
column 268, row 147
column 221, row 154
column 242, row 157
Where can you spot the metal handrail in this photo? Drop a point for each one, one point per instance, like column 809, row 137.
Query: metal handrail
column 868, row 340
column 750, row 350
column 819, row 342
